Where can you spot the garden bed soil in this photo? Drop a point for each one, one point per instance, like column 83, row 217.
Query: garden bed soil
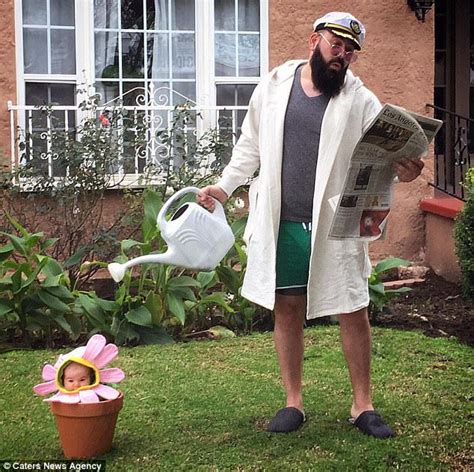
column 435, row 306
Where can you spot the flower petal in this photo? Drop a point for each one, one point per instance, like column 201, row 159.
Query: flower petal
column 60, row 360
column 108, row 354
column 65, row 398
column 49, row 372
column 88, row 396
column 45, row 388
column 113, row 375
column 106, row 392
column 94, row 347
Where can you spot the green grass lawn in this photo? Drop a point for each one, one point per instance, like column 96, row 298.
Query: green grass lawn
column 204, row 406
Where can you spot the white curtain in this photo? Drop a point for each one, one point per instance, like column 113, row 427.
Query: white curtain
column 160, row 23
column 106, row 16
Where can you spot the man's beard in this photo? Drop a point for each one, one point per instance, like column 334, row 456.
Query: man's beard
column 326, row 80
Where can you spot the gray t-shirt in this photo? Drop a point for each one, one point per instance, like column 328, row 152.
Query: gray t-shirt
column 303, row 119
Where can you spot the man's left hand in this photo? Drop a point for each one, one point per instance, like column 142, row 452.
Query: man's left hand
column 408, row 169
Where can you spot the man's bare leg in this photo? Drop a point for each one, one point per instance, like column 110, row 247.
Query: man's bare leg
column 356, row 343
column 290, row 312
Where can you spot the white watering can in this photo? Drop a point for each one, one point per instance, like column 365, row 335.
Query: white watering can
column 197, row 239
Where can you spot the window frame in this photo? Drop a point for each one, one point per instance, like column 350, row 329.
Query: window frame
column 206, row 81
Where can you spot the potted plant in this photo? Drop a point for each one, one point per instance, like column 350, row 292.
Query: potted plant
column 85, row 409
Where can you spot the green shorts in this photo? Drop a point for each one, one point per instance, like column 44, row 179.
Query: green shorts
column 292, row 258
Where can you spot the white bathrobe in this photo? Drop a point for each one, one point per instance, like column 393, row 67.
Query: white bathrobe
column 338, row 269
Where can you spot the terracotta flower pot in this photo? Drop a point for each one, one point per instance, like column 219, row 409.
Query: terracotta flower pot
column 86, row 429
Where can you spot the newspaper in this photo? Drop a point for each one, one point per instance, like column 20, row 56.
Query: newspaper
column 362, row 209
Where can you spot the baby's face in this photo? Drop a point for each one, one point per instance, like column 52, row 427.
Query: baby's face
column 76, row 375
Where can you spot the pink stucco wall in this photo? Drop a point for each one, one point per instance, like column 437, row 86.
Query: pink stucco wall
column 7, row 75
column 397, row 65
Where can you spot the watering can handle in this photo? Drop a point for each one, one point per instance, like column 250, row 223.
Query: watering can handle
column 161, row 219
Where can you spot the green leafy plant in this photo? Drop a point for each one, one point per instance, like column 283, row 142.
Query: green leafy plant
column 464, row 237
column 379, row 296
column 35, row 295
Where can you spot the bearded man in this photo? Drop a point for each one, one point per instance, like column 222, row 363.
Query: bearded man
column 303, row 123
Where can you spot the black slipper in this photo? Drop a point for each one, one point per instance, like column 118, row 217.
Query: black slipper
column 371, row 423
column 286, row 420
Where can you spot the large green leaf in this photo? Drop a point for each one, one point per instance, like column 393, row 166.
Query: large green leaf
column 176, row 307
column 126, row 333
column 127, row 244
column 5, row 251
column 17, row 225
column 19, row 283
column 154, row 303
column 107, row 305
column 183, row 281
column 91, row 308
column 399, row 290
column 229, row 277
column 205, row 278
column 378, row 288
column 140, row 316
column 390, row 263
column 6, row 284
column 63, row 323
column 152, row 204
column 51, row 268
column 61, row 292
column 182, row 292
column 33, row 239
column 238, row 227
column 76, row 258
column 16, row 282
column 378, row 299
column 75, row 324
column 53, row 302
column 30, row 279
column 241, row 253
column 6, row 248
column 17, row 243
column 52, row 281
column 5, row 307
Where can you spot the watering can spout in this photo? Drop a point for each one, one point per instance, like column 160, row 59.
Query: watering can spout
column 117, row 271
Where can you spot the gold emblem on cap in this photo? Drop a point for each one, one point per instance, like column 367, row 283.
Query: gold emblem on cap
column 355, row 27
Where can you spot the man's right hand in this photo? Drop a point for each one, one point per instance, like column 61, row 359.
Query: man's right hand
column 207, row 194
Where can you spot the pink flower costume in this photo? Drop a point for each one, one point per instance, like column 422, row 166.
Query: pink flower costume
column 95, row 355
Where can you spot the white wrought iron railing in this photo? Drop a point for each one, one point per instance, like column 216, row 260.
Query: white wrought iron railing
column 31, row 128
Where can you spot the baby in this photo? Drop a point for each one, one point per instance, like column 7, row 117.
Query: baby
column 76, row 375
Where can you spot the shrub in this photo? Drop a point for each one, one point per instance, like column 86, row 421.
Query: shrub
column 35, row 292
column 464, row 237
